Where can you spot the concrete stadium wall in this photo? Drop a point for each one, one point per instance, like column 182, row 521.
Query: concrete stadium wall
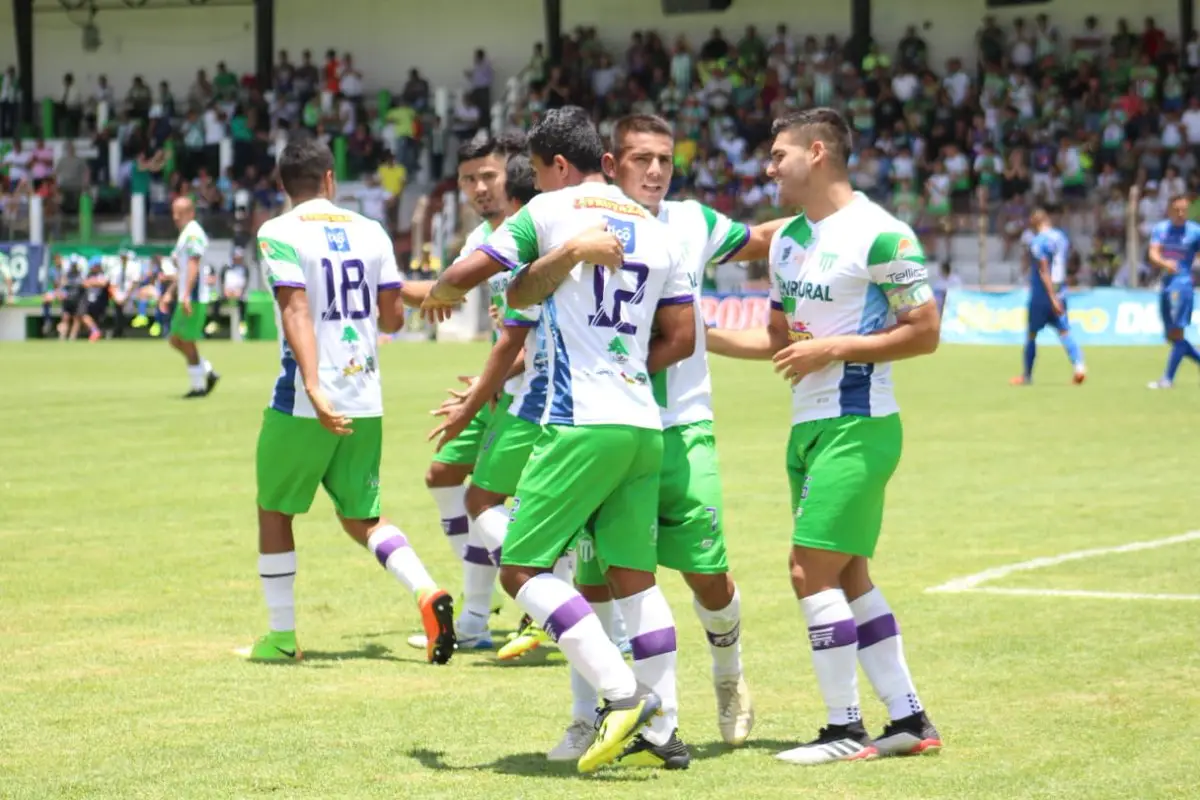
column 389, row 36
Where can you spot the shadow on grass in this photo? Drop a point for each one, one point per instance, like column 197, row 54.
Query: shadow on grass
column 370, row 652
column 714, row 749
column 527, row 764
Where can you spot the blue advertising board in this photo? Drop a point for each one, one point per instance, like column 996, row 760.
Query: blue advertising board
column 23, row 262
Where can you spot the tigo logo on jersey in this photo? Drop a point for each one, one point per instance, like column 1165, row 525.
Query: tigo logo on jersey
column 625, row 232
column 338, row 241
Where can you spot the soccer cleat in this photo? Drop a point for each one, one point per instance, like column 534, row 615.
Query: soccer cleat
column 193, row 393
column 735, row 710
column 140, row 321
column 96, row 335
column 1161, row 383
column 437, row 615
column 641, row 753
column 909, row 736
column 1080, row 375
column 210, row 329
column 576, row 740
column 462, row 641
column 522, row 625
column 210, row 382
column 277, row 647
column 156, row 329
column 1019, row 380
column 834, row 743
column 527, row 639
column 616, row 725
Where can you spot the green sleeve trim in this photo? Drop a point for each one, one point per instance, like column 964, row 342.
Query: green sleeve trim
column 895, row 246
column 798, row 230
column 524, row 234
column 710, row 217
column 275, row 250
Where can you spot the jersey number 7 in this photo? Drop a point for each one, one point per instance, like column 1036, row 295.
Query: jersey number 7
column 351, row 286
column 603, row 319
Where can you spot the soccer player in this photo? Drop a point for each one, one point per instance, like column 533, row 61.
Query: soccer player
column 481, row 178
column 1173, row 246
column 598, row 458
column 849, row 295
column 1048, row 252
column 98, row 290
column 330, row 269
column 191, row 297
column 690, row 530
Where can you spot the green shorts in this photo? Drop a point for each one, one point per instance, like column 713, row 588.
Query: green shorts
column 464, row 448
column 507, row 443
column 690, row 535
column 296, row 455
column 838, row 470
column 189, row 327
column 602, row 478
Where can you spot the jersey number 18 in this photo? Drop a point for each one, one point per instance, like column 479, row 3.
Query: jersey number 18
column 351, row 288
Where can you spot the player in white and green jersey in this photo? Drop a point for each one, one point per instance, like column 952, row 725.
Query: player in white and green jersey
column 481, row 179
column 331, row 272
column 849, row 295
column 597, row 461
column 191, row 297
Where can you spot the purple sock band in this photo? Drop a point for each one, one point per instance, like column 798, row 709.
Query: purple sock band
column 838, row 634
column 454, row 526
column 566, row 616
column 477, row 555
column 495, row 555
column 653, row 643
column 389, row 546
column 724, row 639
column 877, row 630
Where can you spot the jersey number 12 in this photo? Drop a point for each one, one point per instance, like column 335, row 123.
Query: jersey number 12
column 604, row 319
column 347, row 283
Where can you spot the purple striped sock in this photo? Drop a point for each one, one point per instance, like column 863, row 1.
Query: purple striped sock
column 653, row 643
column 838, row 634
column 388, row 546
column 495, row 556
column 876, row 630
column 455, row 525
column 477, row 555
column 566, row 616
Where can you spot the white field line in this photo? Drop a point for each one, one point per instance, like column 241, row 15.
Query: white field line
column 974, row 583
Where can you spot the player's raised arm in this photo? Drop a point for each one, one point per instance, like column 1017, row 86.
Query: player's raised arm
column 534, row 283
column 758, row 245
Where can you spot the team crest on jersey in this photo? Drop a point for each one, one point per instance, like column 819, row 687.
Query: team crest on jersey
column 338, row 241
column 625, row 232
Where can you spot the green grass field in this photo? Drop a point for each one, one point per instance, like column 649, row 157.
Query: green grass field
column 128, row 578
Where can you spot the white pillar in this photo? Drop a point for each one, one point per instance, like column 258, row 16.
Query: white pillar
column 281, row 140
column 114, row 163
column 37, row 220
column 226, row 156
column 102, row 112
column 441, row 104
column 137, row 218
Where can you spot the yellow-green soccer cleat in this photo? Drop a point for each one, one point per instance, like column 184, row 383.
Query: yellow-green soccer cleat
column 529, row 638
column 156, row 330
column 618, row 724
column 641, row 753
column 140, row 321
column 277, row 647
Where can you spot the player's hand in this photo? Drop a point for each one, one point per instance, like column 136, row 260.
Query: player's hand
column 457, row 397
column 331, row 420
column 802, row 358
column 598, row 246
column 456, row 421
column 187, row 306
column 1057, row 306
column 435, row 311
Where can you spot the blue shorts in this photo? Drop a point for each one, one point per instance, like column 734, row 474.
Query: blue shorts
column 1041, row 314
column 1175, row 305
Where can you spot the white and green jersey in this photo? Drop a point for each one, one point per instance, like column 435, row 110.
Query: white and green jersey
column 706, row 236
column 342, row 260
column 192, row 243
column 535, row 356
column 845, row 275
column 593, row 337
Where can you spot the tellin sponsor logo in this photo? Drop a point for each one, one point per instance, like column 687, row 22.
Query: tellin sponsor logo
column 910, row 275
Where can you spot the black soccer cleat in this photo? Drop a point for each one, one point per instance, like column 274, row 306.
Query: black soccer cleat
column 909, row 736
column 641, row 753
column 195, row 393
column 210, row 382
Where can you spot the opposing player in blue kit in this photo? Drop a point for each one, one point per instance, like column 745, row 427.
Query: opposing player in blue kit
column 1173, row 246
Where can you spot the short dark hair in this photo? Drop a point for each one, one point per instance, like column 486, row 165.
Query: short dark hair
column 823, row 124
column 638, row 123
column 570, row 133
column 303, row 165
column 508, row 144
column 1176, row 198
column 520, row 184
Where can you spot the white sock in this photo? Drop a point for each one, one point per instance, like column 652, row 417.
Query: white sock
column 564, row 568
column 566, row 616
column 723, row 629
column 652, row 637
column 481, row 565
column 834, row 639
column 583, row 697
column 196, row 376
column 881, row 653
column 453, row 510
column 391, row 547
column 206, row 366
column 278, row 574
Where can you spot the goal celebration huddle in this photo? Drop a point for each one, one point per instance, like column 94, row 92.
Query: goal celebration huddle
column 583, row 457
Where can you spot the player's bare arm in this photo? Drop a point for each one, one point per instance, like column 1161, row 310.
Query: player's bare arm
column 757, row 344
column 758, row 246
column 676, row 337
column 496, row 371
column 464, row 275
column 1156, row 258
column 414, row 292
column 916, row 333
column 302, row 340
column 391, row 310
column 533, row 284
